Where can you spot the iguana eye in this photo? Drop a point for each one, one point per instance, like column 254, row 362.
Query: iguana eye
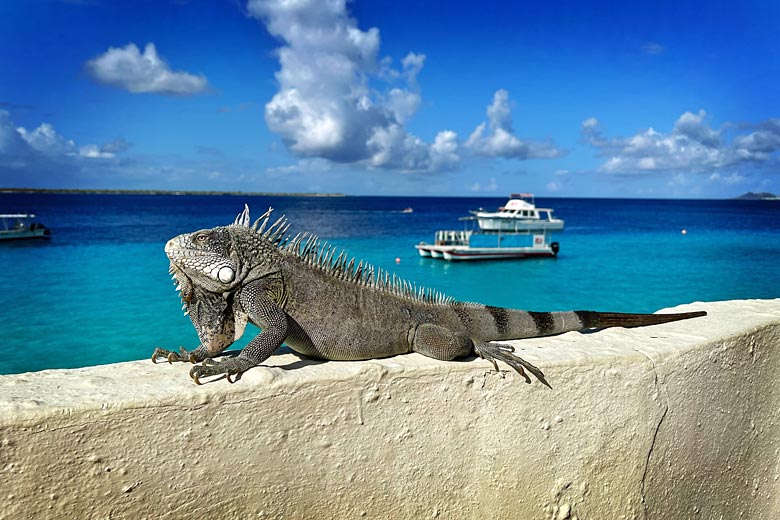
column 202, row 237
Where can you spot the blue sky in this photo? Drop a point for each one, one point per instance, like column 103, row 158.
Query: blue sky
column 657, row 99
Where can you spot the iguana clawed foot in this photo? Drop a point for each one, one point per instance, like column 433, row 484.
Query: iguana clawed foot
column 494, row 352
column 230, row 367
column 182, row 355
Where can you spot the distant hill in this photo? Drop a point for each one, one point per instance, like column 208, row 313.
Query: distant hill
column 758, row 196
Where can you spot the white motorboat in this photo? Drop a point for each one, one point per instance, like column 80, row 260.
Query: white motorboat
column 21, row 225
column 465, row 245
column 518, row 230
column 518, row 214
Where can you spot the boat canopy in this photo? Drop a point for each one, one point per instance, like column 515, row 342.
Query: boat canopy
column 517, row 204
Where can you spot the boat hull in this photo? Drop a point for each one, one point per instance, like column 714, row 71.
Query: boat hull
column 432, row 250
column 497, row 253
column 424, row 249
column 451, row 252
column 25, row 234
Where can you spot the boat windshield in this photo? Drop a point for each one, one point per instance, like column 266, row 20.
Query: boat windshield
column 14, row 222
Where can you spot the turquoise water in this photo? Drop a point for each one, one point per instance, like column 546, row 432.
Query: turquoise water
column 99, row 290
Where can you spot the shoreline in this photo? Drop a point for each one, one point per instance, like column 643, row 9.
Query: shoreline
column 66, row 191
column 97, row 191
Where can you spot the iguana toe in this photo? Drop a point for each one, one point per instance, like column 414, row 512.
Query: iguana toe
column 182, row 355
column 494, row 352
column 163, row 353
column 156, row 354
column 228, row 367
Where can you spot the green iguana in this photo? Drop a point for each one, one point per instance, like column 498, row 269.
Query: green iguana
column 301, row 292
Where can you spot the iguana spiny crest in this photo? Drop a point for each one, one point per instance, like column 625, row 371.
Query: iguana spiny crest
column 219, row 259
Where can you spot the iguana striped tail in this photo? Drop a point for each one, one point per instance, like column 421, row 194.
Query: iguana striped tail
column 489, row 323
column 530, row 324
column 602, row 320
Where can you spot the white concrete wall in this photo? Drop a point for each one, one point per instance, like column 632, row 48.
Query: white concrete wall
column 668, row 421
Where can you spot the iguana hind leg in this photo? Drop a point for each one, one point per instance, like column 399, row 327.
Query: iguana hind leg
column 496, row 351
column 441, row 343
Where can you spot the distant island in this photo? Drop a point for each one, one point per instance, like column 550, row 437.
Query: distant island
column 166, row 192
column 764, row 195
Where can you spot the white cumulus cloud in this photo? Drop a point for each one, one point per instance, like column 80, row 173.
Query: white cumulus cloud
column 734, row 178
column 30, row 155
column 761, row 144
column 92, row 151
column 444, row 151
column 691, row 146
column 129, row 69
column 492, row 185
column 45, row 139
column 497, row 139
column 328, row 105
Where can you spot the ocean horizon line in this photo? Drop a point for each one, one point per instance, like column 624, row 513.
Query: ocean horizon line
column 153, row 192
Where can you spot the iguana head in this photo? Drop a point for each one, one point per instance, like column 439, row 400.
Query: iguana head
column 204, row 259
column 208, row 266
column 220, row 259
column 204, row 276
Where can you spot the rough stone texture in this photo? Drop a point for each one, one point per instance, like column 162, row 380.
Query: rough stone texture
column 670, row 421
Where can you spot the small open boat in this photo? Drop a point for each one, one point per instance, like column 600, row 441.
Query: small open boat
column 21, row 225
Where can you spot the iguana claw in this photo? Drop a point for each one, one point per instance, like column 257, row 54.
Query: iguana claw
column 182, row 355
column 228, row 367
column 496, row 351
column 171, row 356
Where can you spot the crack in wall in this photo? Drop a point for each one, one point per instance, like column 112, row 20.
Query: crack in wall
column 665, row 405
column 647, row 460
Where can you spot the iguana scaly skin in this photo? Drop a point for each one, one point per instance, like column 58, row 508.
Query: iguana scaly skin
column 301, row 292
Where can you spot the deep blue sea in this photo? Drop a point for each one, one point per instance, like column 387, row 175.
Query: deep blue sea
column 99, row 291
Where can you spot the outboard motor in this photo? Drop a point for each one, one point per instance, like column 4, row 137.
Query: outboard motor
column 555, row 246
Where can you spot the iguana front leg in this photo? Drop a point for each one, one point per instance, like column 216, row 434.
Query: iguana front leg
column 214, row 319
column 263, row 312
